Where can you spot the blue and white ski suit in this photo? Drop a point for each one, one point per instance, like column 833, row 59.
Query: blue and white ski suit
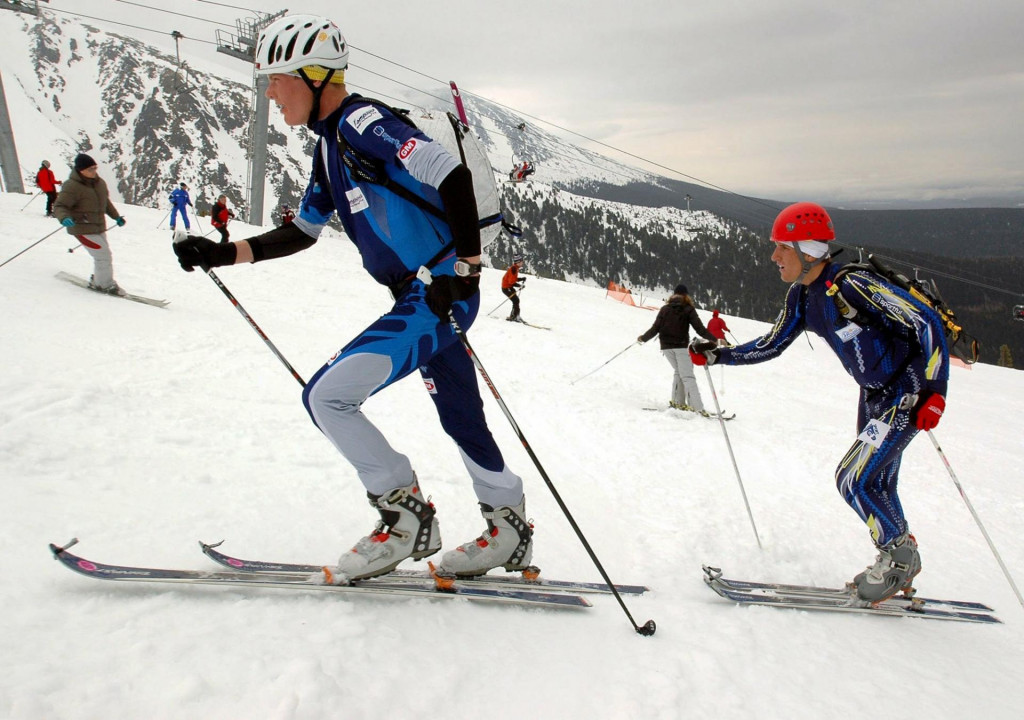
column 179, row 201
column 395, row 238
column 896, row 352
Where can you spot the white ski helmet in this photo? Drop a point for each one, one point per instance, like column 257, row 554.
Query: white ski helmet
column 296, row 41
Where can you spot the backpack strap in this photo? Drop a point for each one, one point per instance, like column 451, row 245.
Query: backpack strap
column 371, row 170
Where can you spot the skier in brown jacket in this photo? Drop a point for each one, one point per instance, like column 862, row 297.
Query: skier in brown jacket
column 80, row 207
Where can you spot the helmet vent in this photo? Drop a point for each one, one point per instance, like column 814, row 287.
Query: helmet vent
column 291, row 48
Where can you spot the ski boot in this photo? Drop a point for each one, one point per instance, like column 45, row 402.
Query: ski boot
column 112, row 289
column 407, row 528
column 507, row 542
column 897, row 565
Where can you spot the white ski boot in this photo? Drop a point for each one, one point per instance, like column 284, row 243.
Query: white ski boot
column 407, row 529
column 897, row 565
column 507, row 542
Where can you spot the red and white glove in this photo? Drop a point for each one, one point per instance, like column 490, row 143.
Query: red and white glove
column 928, row 412
column 703, row 352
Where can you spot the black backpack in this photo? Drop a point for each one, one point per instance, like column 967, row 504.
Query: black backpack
column 961, row 344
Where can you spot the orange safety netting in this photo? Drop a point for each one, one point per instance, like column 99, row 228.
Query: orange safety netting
column 622, row 294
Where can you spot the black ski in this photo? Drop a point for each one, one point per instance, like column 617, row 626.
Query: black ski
column 802, row 597
column 417, row 576
column 285, row 581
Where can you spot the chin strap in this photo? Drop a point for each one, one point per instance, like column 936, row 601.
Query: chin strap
column 314, row 111
column 808, row 266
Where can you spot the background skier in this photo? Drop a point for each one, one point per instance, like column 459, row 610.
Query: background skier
column 510, row 285
column 179, row 202
column 219, row 217
column 46, row 182
column 672, row 326
column 80, row 207
column 718, row 328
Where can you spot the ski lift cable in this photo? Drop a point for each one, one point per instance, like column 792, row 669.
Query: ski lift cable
column 172, row 12
column 124, row 24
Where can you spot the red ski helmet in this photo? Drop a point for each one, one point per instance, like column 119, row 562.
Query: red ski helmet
column 803, row 221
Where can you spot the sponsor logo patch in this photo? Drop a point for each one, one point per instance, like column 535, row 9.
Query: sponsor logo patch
column 406, row 151
column 429, row 384
column 356, row 200
column 874, row 433
column 361, row 119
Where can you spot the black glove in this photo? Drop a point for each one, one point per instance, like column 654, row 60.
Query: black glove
column 196, row 251
column 447, row 289
column 703, row 352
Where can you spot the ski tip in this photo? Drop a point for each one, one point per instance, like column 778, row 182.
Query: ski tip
column 58, row 549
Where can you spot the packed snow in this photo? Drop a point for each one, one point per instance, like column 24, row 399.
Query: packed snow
column 142, row 430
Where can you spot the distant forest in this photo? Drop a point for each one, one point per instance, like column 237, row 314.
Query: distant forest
column 730, row 270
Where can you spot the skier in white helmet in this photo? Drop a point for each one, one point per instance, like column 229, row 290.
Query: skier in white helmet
column 407, row 204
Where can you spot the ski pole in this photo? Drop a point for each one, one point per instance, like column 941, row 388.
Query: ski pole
column 977, row 519
column 163, row 218
column 606, row 362
column 498, row 306
column 254, row 326
column 734, row 340
column 735, row 467
column 519, row 291
column 648, row 627
column 196, row 216
column 59, row 228
column 30, row 200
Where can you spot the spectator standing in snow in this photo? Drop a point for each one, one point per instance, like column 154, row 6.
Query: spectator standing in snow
column 718, row 328
column 287, row 215
column 511, row 283
column 219, row 217
column 672, row 326
column 80, row 207
column 892, row 345
column 46, row 182
column 430, row 281
column 180, row 201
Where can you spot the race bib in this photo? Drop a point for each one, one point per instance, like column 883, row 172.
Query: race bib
column 848, row 333
column 874, row 433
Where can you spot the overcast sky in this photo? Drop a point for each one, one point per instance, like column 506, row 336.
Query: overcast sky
column 788, row 99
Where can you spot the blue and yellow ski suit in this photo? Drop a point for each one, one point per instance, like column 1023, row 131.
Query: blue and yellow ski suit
column 896, row 351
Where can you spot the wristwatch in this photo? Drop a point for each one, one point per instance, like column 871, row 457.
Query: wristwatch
column 465, row 269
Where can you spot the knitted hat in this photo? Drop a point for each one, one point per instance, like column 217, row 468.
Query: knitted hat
column 46, row 163
column 84, row 162
column 681, row 290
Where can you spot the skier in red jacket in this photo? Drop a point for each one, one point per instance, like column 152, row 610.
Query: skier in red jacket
column 48, row 184
column 718, row 328
column 219, row 217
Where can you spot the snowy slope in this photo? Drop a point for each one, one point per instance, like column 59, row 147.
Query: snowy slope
column 141, row 431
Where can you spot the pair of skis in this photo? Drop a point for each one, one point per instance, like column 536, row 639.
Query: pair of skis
column 526, row 590
column 82, row 282
column 807, row 597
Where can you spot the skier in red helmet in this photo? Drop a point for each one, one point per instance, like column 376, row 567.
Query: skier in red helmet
column 892, row 345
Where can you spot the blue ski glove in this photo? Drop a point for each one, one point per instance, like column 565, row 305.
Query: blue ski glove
column 196, row 251
column 119, row 221
column 67, row 222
